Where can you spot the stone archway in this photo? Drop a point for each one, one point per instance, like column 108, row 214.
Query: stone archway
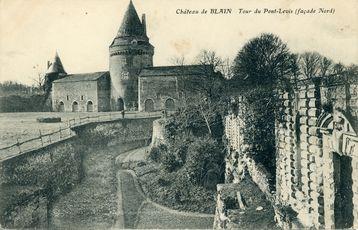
column 149, row 105
column 169, row 105
column 89, row 106
column 120, row 104
column 340, row 170
column 75, row 106
column 61, row 107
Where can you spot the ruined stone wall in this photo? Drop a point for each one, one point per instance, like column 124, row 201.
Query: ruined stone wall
column 317, row 122
column 316, row 156
column 30, row 182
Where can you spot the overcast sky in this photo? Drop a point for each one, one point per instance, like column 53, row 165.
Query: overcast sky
column 81, row 31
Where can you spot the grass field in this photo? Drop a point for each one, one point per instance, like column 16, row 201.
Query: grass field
column 23, row 126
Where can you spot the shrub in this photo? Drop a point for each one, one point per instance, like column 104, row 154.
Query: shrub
column 156, row 153
column 204, row 155
column 169, row 161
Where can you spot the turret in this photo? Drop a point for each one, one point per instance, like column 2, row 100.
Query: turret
column 54, row 72
column 129, row 52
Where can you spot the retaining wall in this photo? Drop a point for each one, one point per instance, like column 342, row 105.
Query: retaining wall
column 32, row 181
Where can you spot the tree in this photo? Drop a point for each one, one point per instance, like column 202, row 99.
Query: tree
column 39, row 80
column 264, row 61
column 310, row 63
column 260, row 67
column 204, row 102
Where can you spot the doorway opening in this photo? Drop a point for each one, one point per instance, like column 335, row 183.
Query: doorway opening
column 343, row 201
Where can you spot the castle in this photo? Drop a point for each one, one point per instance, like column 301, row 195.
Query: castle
column 132, row 82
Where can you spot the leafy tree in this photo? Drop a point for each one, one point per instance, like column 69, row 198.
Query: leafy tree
column 262, row 66
column 265, row 61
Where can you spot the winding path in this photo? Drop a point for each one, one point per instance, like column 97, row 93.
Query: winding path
column 141, row 212
column 111, row 198
column 138, row 211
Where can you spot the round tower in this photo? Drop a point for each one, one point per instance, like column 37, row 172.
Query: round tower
column 129, row 52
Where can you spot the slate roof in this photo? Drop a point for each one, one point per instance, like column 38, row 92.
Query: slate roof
column 56, row 66
column 131, row 24
column 83, row 77
column 176, row 70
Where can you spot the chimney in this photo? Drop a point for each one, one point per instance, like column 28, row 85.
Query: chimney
column 144, row 24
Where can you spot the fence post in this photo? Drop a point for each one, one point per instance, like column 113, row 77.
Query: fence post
column 42, row 142
column 18, row 144
column 60, row 133
column 49, row 137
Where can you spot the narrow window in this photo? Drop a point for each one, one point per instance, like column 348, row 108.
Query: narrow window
column 68, row 98
column 82, row 97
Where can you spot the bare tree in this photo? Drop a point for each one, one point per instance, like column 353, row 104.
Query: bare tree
column 39, row 80
column 325, row 66
column 310, row 63
column 178, row 60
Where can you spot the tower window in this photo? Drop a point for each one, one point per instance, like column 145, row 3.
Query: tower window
column 67, row 97
column 82, row 97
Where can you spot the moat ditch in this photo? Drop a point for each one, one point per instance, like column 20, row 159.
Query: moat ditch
column 32, row 183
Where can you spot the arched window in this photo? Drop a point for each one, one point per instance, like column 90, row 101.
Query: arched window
column 89, row 106
column 120, row 104
column 61, row 107
column 169, row 105
column 75, row 106
column 149, row 105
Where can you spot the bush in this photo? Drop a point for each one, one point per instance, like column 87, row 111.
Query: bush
column 156, row 153
column 205, row 158
column 169, row 161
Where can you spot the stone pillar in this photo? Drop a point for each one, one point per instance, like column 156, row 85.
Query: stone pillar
column 355, row 190
column 328, row 181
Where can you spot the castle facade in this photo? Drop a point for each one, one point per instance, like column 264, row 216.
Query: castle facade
column 132, row 83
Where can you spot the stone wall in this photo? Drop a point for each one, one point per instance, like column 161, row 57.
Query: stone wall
column 82, row 92
column 316, row 156
column 158, row 89
column 240, row 167
column 30, row 182
column 158, row 132
column 316, row 131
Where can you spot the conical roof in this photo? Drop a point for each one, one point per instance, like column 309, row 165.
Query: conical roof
column 55, row 66
column 131, row 24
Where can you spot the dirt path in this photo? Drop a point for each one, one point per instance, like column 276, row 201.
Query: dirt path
column 111, row 198
column 92, row 203
column 140, row 212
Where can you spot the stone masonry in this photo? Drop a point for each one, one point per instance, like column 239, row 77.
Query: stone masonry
column 316, row 156
column 317, row 151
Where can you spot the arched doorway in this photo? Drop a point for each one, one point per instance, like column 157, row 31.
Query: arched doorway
column 339, row 152
column 89, row 106
column 169, row 105
column 120, row 104
column 75, row 106
column 149, row 105
column 61, row 107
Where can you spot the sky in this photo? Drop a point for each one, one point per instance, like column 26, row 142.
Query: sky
column 31, row 31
